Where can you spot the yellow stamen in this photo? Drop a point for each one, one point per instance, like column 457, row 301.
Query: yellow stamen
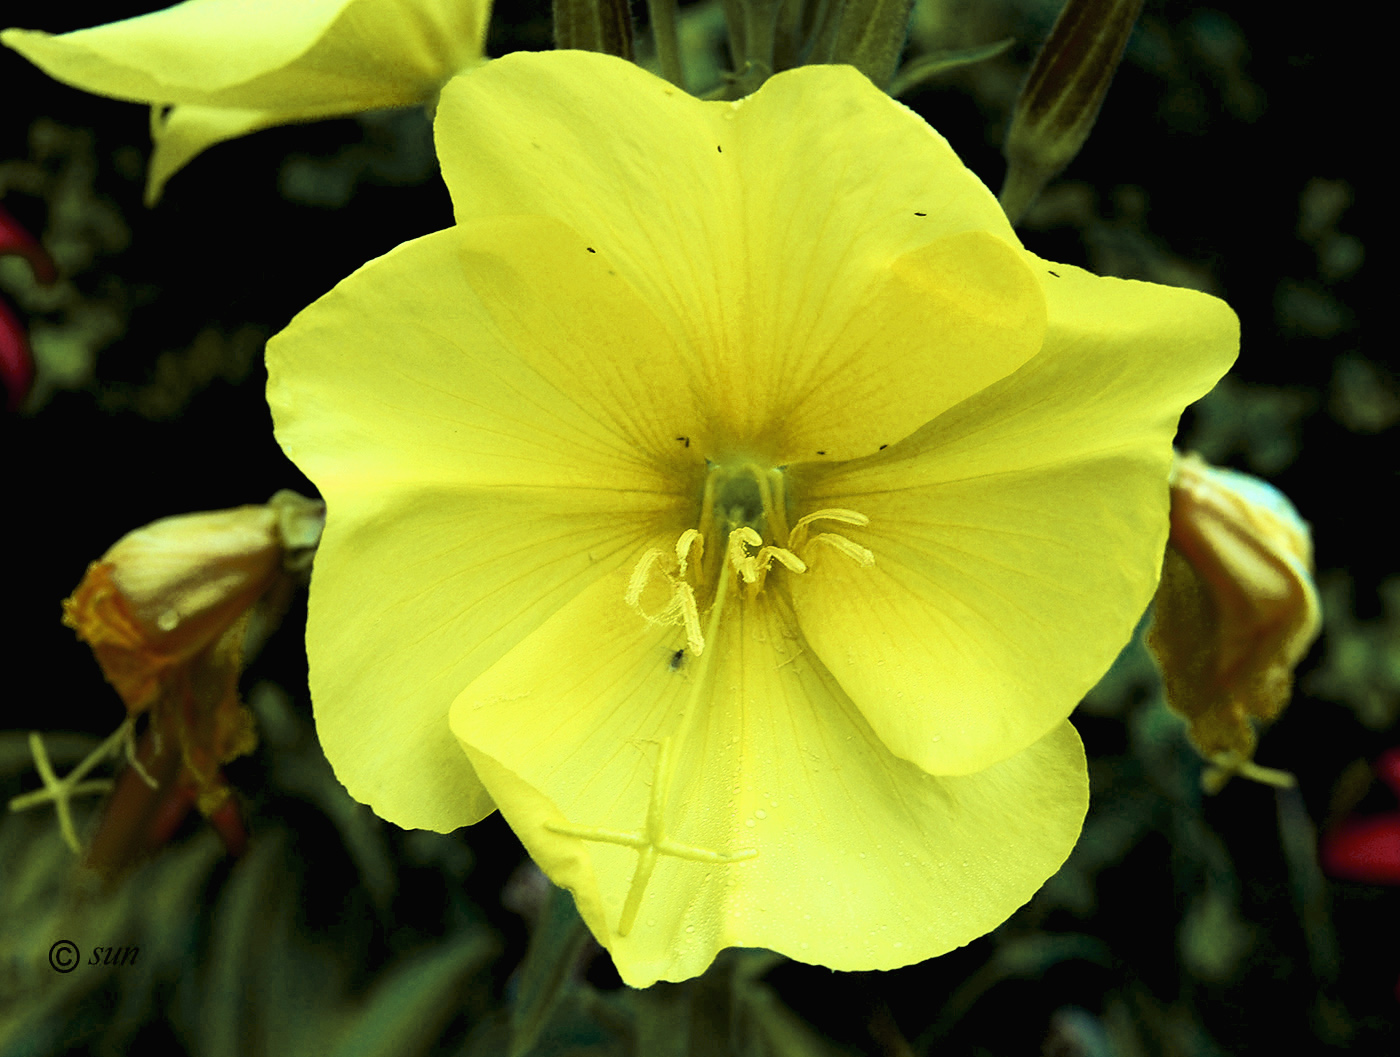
column 862, row 556
column 681, row 607
column 798, row 536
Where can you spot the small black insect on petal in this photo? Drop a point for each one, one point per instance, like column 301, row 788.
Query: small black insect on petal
column 921, row 214
column 677, row 658
column 1055, row 274
column 590, row 249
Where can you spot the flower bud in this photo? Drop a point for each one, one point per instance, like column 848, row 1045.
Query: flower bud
column 1062, row 95
column 1236, row 608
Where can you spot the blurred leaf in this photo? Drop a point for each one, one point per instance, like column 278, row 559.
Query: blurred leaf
column 727, row 1012
column 548, row 973
column 410, row 1006
column 1365, row 398
column 394, row 149
column 926, row 67
column 1026, row 957
column 1361, row 660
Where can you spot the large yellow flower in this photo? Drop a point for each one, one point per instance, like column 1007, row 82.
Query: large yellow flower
column 757, row 506
column 217, row 69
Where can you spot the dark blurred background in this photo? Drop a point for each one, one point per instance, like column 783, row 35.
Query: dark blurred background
column 1230, row 156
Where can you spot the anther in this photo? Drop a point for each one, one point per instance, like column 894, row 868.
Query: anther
column 690, row 540
column 681, row 607
column 862, row 556
column 798, row 536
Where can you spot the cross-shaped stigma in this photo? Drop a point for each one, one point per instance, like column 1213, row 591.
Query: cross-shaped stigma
column 650, row 841
column 62, row 790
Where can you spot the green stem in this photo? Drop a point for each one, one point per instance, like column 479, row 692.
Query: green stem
column 738, row 46
column 760, row 37
column 668, row 49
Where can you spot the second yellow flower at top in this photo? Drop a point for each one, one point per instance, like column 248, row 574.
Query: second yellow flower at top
column 216, row 69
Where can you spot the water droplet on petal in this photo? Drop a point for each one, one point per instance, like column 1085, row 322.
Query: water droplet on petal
column 761, row 813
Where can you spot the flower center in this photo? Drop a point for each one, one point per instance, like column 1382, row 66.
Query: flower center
column 745, row 506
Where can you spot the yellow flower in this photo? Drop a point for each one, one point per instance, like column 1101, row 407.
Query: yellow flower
column 759, row 508
column 225, row 68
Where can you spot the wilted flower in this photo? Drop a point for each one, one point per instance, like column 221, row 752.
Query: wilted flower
column 756, row 505
column 165, row 611
column 1236, row 609
column 216, row 69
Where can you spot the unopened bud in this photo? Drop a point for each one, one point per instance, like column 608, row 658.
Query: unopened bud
column 1236, row 608
column 1062, row 95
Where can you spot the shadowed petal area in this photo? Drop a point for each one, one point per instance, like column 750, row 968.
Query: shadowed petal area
column 864, row 861
column 1018, row 537
column 786, row 303
column 482, row 461
column 301, row 59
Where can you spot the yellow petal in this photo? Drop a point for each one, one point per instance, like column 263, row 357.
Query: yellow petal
column 498, row 353
column 863, row 861
column 472, row 407
column 303, row 59
column 401, row 618
column 1018, row 537
column 790, row 283
column 186, row 131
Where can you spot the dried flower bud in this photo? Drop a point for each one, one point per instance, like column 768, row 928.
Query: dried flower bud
column 1236, row 608
column 166, row 611
column 169, row 591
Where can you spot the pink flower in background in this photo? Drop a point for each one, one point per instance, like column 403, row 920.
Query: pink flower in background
column 1367, row 848
column 16, row 361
